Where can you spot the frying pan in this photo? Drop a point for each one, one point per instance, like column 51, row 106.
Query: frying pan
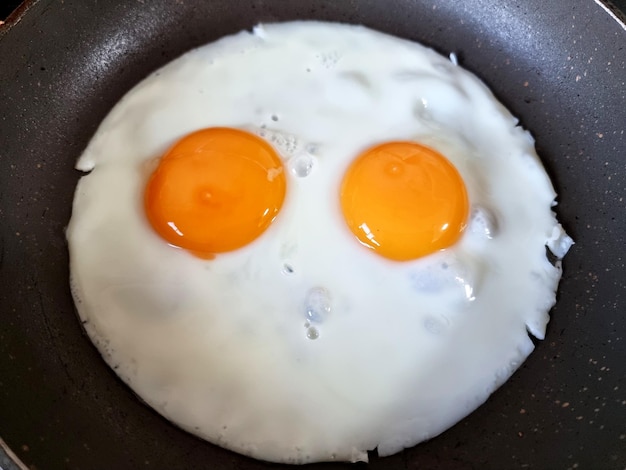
column 558, row 66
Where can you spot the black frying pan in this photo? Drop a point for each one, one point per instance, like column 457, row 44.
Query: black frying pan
column 559, row 66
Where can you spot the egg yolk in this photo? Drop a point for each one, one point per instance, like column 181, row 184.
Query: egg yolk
column 404, row 200
column 216, row 190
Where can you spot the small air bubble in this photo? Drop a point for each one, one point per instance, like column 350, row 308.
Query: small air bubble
column 312, row 333
column 311, row 148
column 421, row 111
column 483, row 222
column 435, row 325
column 317, row 304
column 461, row 277
column 301, row 165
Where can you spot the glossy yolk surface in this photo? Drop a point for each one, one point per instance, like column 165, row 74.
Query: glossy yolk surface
column 404, row 200
column 215, row 191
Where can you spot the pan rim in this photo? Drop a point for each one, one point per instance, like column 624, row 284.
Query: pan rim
column 16, row 16
column 9, row 459
column 613, row 11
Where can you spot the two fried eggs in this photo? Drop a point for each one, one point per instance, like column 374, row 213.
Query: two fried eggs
column 311, row 240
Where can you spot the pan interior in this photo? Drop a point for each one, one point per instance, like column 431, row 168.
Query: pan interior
column 559, row 68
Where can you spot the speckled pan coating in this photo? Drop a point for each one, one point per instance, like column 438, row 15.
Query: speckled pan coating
column 559, row 66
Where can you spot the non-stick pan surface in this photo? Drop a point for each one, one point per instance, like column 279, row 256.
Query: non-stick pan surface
column 559, row 66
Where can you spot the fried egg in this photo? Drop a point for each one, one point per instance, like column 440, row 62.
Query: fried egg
column 311, row 240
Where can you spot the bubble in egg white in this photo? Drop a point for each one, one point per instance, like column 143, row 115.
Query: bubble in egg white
column 449, row 275
column 317, row 304
column 421, row 110
column 301, row 165
column 311, row 149
column 312, row 333
column 436, row 324
column 288, row 144
column 483, row 222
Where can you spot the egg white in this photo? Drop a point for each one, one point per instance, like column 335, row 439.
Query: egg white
column 394, row 353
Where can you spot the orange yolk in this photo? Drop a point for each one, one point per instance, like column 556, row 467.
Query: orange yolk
column 404, row 200
column 216, row 190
